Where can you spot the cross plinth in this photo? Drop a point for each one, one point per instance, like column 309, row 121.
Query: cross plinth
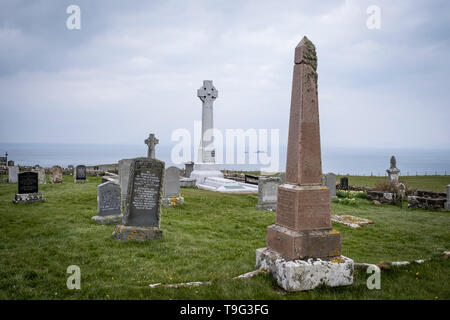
column 151, row 142
column 207, row 94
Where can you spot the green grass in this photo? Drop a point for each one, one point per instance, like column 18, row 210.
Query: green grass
column 430, row 183
column 212, row 237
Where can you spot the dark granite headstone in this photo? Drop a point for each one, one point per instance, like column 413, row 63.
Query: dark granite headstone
column 344, row 183
column 142, row 209
column 3, row 161
column 80, row 172
column 11, row 163
column 28, row 182
column 143, row 203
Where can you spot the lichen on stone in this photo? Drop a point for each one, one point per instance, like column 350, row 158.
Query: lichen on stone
column 308, row 51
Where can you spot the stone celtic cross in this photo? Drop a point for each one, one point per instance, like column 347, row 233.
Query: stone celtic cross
column 207, row 94
column 151, row 142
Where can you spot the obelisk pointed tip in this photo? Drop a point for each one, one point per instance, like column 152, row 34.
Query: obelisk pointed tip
column 305, row 52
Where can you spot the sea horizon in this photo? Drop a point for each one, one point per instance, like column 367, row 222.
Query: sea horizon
column 352, row 161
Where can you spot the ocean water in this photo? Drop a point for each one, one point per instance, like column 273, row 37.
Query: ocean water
column 362, row 161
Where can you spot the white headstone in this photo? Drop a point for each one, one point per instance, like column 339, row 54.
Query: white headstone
column 13, row 174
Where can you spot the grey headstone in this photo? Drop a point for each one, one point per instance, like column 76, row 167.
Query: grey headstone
column 144, row 193
column 124, row 176
column 172, row 182
column 283, row 177
column 55, row 174
column 108, row 199
column 41, row 175
column 268, row 192
column 13, row 174
column 330, row 183
column 188, row 168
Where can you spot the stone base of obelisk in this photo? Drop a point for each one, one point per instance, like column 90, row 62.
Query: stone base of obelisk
column 136, row 233
column 114, row 218
column 301, row 275
column 303, row 244
column 28, row 198
column 205, row 170
column 172, row 201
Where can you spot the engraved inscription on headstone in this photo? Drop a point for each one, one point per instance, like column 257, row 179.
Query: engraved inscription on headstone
column 144, row 193
column 108, row 198
column 28, row 182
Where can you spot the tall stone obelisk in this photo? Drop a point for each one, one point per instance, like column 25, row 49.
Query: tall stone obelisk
column 206, row 165
column 302, row 228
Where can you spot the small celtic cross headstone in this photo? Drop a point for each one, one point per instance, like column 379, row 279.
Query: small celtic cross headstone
column 151, row 142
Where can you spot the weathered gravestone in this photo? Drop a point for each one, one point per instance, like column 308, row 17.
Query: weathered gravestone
column 79, row 175
column 393, row 171
column 267, row 193
column 142, row 211
column 343, row 183
column 172, row 188
column 13, row 174
column 124, row 176
column 55, row 175
column 329, row 180
column 108, row 203
column 28, row 191
column 188, row 168
column 41, row 175
column 303, row 252
column 10, row 163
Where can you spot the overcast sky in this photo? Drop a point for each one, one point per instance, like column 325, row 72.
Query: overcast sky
column 134, row 67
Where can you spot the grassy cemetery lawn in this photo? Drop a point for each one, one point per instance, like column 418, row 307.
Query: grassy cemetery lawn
column 213, row 237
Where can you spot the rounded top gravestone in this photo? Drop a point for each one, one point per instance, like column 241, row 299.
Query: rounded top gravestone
column 172, row 182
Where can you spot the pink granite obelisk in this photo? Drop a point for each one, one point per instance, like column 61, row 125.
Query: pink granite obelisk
column 303, row 221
